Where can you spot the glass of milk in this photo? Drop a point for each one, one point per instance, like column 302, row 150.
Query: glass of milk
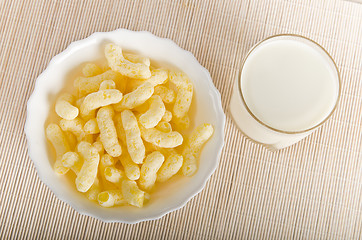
column 288, row 87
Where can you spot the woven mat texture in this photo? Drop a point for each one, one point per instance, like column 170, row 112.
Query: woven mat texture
column 310, row 190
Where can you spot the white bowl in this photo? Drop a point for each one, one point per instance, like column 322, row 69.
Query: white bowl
column 206, row 107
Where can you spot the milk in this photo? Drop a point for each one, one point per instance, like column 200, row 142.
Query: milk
column 287, row 87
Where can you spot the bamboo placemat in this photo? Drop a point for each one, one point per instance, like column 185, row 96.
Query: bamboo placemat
column 310, row 190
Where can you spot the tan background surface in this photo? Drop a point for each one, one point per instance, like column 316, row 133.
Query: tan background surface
column 310, row 190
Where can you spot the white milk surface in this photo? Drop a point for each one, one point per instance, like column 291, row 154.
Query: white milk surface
column 288, row 85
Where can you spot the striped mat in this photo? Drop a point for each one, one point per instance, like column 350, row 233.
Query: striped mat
column 310, row 190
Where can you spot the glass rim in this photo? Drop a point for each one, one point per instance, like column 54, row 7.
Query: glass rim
column 279, row 130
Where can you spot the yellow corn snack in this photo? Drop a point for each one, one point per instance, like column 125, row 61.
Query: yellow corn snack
column 135, row 146
column 64, row 107
column 57, row 138
column 149, row 170
column 88, row 172
column 154, row 114
column 108, row 134
column 193, row 147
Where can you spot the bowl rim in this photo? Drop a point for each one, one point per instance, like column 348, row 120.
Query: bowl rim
column 178, row 204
